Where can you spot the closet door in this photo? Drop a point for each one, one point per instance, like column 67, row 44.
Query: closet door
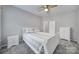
column 52, row 27
column 45, row 26
column 0, row 24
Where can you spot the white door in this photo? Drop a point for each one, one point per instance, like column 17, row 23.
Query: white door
column 0, row 24
column 52, row 27
column 45, row 26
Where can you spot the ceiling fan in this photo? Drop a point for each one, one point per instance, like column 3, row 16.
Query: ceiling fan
column 47, row 8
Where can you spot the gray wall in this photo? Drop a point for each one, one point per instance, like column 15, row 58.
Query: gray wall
column 0, row 24
column 77, row 12
column 14, row 19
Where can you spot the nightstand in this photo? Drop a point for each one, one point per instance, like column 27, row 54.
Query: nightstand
column 13, row 40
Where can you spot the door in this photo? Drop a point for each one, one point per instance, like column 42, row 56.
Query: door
column 0, row 24
column 52, row 27
column 45, row 26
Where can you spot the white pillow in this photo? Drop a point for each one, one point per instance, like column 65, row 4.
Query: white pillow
column 25, row 30
column 36, row 30
column 30, row 29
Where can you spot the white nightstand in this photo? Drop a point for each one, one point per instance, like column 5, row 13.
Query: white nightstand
column 13, row 40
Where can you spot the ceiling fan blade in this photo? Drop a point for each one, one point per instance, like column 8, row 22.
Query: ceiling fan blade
column 40, row 9
column 52, row 6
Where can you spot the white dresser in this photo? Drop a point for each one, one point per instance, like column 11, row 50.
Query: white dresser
column 65, row 33
column 13, row 40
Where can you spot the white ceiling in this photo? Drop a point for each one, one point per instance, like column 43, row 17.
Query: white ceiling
column 35, row 9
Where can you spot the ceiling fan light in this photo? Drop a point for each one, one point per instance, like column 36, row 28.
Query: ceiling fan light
column 46, row 9
column 45, row 6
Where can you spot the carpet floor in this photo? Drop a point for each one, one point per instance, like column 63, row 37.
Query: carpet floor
column 64, row 47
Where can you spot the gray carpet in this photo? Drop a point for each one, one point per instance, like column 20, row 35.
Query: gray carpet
column 64, row 47
column 22, row 48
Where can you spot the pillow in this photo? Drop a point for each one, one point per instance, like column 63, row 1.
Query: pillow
column 30, row 30
column 25, row 30
column 36, row 30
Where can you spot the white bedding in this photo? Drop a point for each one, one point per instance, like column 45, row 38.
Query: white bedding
column 36, row 40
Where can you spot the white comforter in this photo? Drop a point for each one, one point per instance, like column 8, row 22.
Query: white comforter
column 36, row 40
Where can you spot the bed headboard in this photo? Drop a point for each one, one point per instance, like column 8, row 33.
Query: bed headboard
column 30, row 29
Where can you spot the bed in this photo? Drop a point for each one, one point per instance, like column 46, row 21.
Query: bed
column 38, row 40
